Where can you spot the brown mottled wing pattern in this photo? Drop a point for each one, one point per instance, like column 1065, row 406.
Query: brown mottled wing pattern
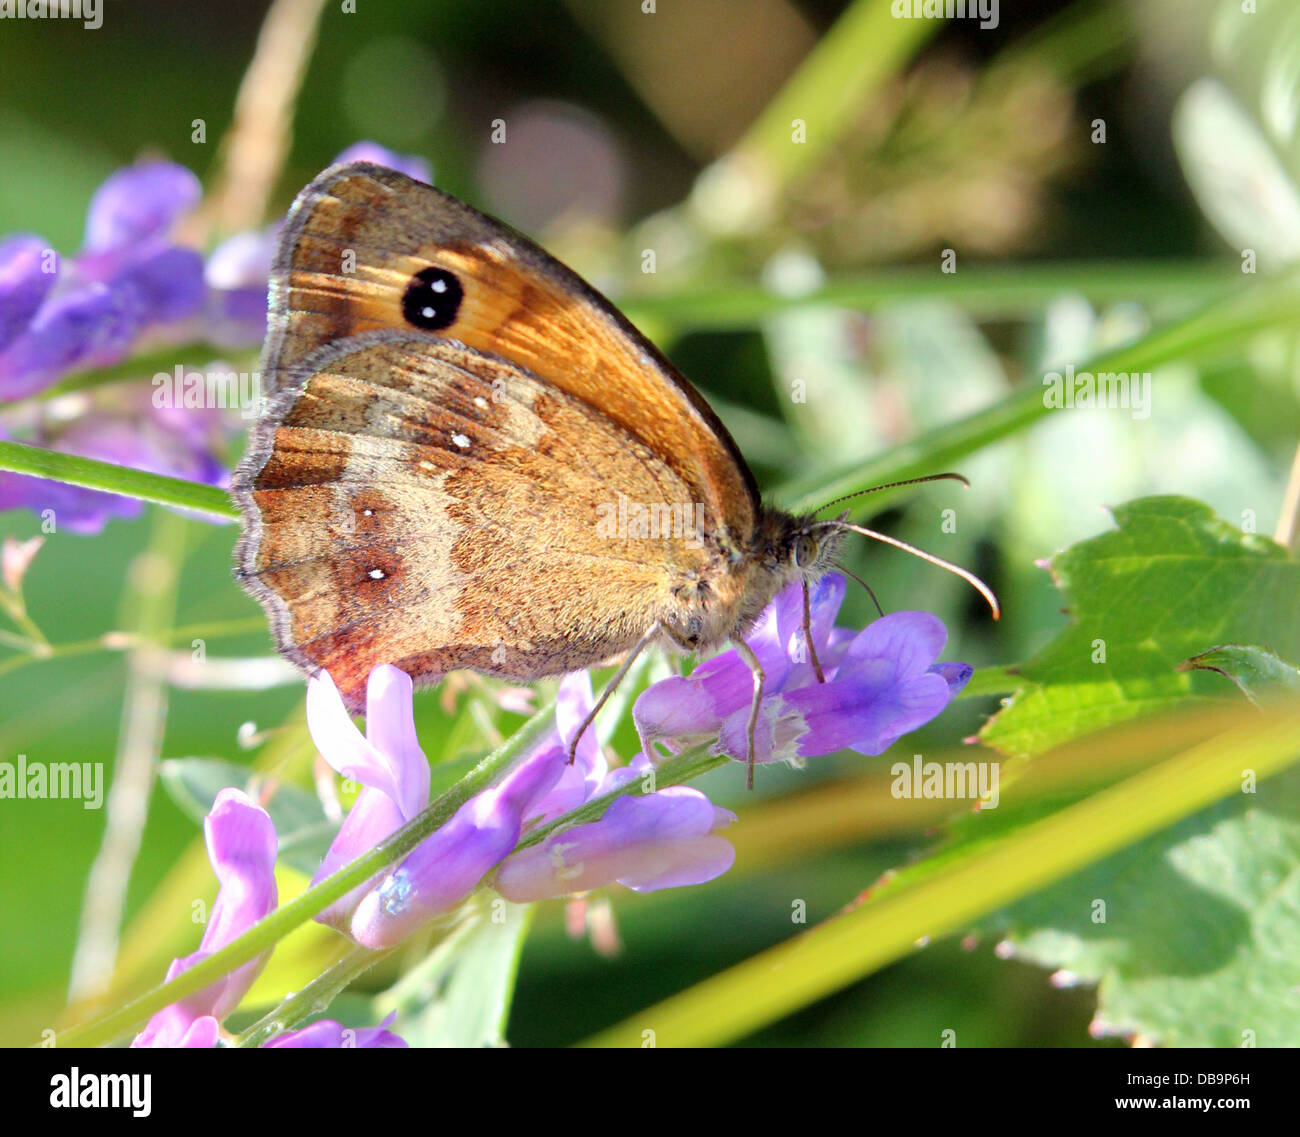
column 427, row 492
column 519, row 303
column 405, row 493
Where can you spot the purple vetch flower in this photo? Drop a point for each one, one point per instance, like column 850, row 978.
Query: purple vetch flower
column 326, row 1034
column 387, row 761
column 236, row 273
column 129, row 283
column 658, row 840
column 26, row 277
column 880, row 684
column 128, row 277
column 445, row 868
column 241, row 846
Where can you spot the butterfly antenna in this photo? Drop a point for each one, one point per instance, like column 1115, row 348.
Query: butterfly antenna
column 850, row 572
column 969, row 577
column 948, row 477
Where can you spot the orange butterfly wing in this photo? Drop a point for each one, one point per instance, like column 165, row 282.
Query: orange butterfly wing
column 451, row 411
column 518, row 303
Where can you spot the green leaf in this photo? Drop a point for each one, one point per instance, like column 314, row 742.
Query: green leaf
column 1199, row 922
column 305, row 832
column 461, row 994
column 1171, row 581
column 951, row 892
column 1257, row 671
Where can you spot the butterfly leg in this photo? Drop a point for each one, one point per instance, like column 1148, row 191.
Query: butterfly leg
column 747, row 654
column 808, row 635
column 619, row 676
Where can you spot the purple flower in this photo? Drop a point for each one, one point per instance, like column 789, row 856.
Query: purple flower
column 241, row 846
column 137, row 204
column 236, row 274
column 445, row 868
column 326, row 1034
column 880, row 683
column 128, row 277
column 387, row 761
column 657, row 841
column 23, row 283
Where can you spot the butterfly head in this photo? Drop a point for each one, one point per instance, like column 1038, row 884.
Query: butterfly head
column 810, row 548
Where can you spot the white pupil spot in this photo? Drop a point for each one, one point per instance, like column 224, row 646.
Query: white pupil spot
column 480, row 402
column 461, row 441
column 428, row 312
column 368, row 513
column 376, row 574
column 438, row 285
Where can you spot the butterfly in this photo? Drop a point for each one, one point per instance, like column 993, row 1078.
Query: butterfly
column 469, row 458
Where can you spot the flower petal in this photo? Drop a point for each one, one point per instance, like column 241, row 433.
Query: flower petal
column 242, row 847
column 164, row 285
column 23, row 286
column 659, row 840
column 342, row 745
column 326, row 1034
column 390, row 729
column 92, row 322
column 138, row 202
column 447, row 867
column 911, row 640
column 861, row 715
column 956, row 675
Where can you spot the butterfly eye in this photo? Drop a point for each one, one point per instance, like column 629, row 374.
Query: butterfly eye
column 805, row 550
column 432, row 299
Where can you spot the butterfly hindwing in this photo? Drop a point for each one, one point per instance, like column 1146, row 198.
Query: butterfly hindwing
column 403, row 493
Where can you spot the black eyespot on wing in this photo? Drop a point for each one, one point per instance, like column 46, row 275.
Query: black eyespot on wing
column 432, row 299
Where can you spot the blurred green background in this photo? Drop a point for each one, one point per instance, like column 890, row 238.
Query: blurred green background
column 984, row 144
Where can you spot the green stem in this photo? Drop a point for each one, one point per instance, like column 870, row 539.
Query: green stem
column 939, row 901
column 992, row 292
column 122, row 641
column 865, row 47
column 111, row 478
column 267, row 932
column 314, row 998
column 1272, row 304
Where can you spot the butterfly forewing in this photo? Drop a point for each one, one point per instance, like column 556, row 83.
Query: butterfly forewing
column 360, row 235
